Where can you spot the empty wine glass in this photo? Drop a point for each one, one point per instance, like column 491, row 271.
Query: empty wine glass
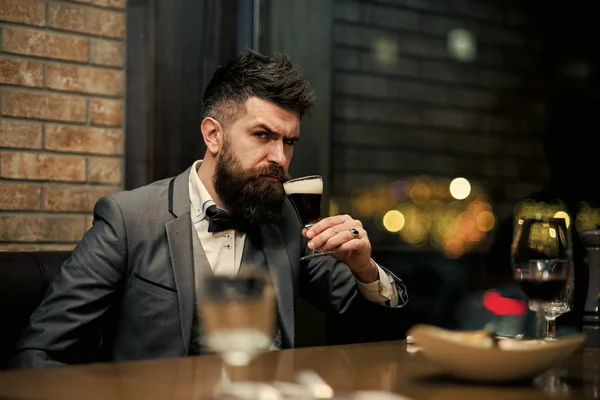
column 542, row 264
column 305, row 195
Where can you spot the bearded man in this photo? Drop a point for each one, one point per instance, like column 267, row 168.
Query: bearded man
column 130, row 288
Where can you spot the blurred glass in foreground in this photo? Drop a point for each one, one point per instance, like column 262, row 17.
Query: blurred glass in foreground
column 238, row 314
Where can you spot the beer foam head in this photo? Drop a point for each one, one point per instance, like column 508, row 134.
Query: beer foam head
column 304, row 186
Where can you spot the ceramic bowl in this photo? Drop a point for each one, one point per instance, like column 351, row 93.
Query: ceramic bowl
column 476, row 356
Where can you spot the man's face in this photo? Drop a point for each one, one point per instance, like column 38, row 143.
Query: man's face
column 253, row 161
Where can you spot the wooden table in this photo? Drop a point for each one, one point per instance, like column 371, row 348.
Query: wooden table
column 389, row 366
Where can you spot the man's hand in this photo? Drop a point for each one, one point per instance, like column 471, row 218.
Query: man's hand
column 337, row 233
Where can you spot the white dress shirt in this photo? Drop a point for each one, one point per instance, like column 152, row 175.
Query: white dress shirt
column 224, row 249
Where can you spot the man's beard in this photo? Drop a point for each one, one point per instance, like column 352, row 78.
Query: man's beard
column 246, row 194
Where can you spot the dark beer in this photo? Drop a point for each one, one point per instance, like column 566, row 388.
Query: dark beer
column 305, row 194
column 308, row 206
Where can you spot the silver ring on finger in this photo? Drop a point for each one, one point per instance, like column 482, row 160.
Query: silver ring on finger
column 354, row 232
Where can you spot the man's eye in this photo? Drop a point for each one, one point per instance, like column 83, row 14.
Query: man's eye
column 289, row 142
column 261, row 135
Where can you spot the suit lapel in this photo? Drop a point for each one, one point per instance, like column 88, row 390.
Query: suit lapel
column 179, row 236
column 280, row 269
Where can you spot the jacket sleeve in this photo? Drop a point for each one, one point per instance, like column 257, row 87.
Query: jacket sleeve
column 67, row 326
column 329, row 285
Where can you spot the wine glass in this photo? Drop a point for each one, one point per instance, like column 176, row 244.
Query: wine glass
column 305, row 194
column 238, row 314
column 542, row 263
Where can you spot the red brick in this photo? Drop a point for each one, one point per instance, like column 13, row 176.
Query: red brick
column 84, row 139
column 110, row 3
column 41, row 105
column 104, row 170
column 18, row 134
column 41, row 227
column 107, row 52
column 14, row 71
column 106, row 112
column 30, row 12
column 44, row 44
column 50, row 167
column 84, row 79
column 87, row 20
column 19, row 196
column 74, row 197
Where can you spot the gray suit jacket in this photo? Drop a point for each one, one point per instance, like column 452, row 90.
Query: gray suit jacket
column 127, row 291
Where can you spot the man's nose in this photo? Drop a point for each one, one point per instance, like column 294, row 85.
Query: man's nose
column 277, row 154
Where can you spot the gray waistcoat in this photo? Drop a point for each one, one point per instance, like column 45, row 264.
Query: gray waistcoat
column 252, row 255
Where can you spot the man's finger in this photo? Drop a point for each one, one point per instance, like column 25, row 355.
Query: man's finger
column 328, row 234
column 327, row 223
column 338, row 239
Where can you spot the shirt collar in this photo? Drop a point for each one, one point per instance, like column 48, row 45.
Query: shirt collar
column 199, row 196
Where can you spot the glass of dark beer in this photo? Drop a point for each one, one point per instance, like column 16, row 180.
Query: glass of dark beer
column 305, row 194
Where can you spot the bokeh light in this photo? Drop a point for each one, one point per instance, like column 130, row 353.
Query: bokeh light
column 393, row 221
column 385, row 51
column 562, row 214
column 452, row 216
column 460, row 188
column 585, row 216
column 334, row 208
column 461, row 45
column 485, row 221
column 420, row 193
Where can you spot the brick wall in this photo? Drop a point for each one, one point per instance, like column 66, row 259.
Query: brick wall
column 61, row 106
column 423, row 111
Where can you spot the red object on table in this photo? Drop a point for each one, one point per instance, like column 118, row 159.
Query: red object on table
column 499, row 305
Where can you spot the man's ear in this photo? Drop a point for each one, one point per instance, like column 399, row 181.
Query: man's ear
column 212, row 132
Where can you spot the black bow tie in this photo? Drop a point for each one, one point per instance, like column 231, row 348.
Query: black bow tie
column 220, row 220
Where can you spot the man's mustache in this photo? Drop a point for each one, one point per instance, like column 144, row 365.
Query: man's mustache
column 274, row 171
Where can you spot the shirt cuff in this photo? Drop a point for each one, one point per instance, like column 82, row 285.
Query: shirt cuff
column 380, row 291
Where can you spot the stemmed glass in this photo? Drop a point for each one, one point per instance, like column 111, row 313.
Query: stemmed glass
column 542, row 264
column 305, row 194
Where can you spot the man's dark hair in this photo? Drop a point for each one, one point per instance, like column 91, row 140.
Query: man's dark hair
column 274, row 79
